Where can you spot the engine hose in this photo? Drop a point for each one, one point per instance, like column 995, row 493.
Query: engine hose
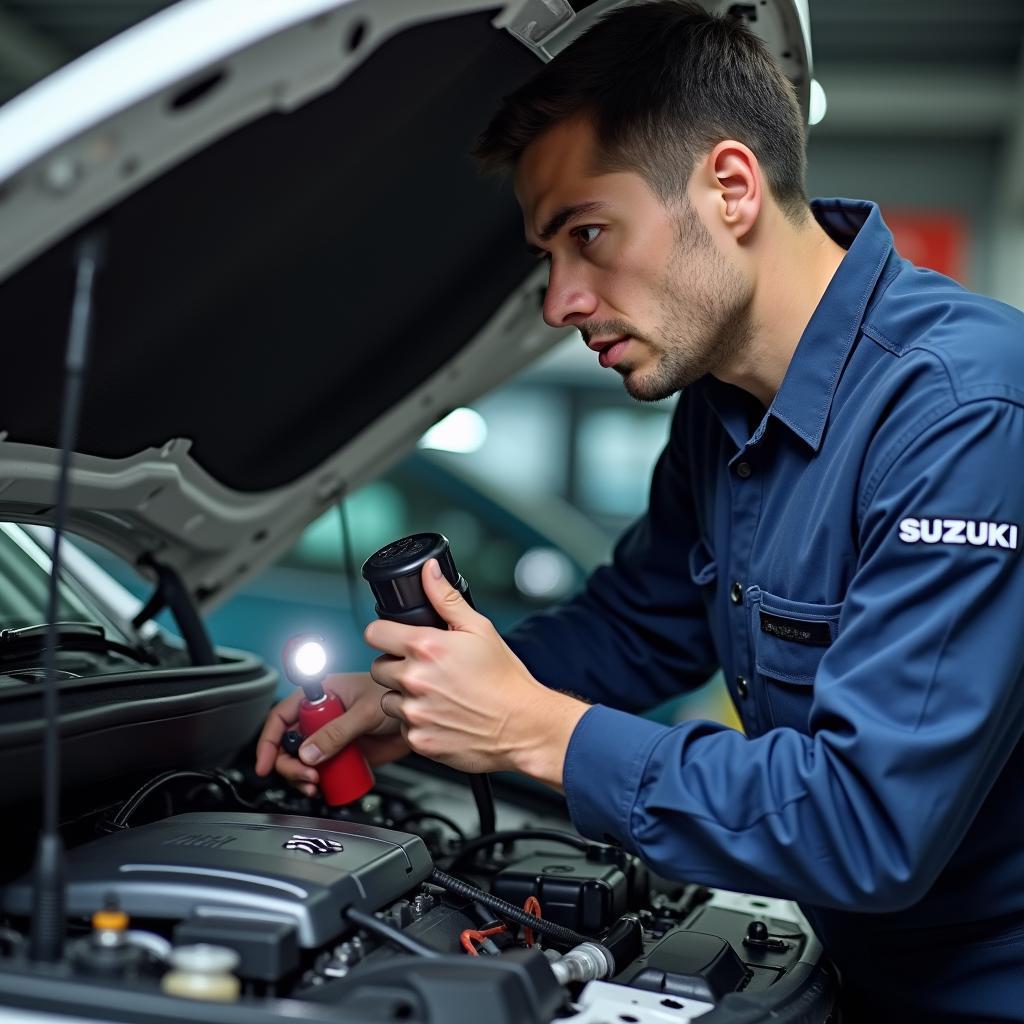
column 565, row 936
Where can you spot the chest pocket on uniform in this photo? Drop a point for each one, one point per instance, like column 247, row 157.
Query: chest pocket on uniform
column 789, row 640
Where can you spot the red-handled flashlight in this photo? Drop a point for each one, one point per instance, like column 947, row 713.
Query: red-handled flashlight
column 346, row 776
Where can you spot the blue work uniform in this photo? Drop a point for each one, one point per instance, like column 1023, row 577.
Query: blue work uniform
column 851, row 558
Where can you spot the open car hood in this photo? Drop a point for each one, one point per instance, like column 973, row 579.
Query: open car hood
column 303, row 269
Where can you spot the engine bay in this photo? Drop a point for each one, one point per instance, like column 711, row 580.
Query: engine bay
column 211, row 895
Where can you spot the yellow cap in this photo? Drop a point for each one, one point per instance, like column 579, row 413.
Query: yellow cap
column 110, row 920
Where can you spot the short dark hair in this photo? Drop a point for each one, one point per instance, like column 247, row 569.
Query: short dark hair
column 663, row 82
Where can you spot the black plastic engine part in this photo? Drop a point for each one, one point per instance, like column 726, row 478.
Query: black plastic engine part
column 119, row 960
column 267, row 952
column 509, row 911
column 691, row 964
column 638, row 876
column 440, row 928
column 515, row 988
column 766, row 961
column 575, row 892
column 306, row 871
column 625, row 941
column 384, row 931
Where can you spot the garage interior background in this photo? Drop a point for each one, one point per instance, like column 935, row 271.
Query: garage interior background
column 925, row 116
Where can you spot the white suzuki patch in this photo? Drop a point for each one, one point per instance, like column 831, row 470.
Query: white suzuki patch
column 977, row 532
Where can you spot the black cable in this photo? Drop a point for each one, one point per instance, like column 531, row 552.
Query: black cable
column 135, row 801
column 386, row 931
column 480, row 785
column 433, row 816
column 483, row 797
column 474, row 846
column 348, row 559
column 132, row 804
column 565, row 936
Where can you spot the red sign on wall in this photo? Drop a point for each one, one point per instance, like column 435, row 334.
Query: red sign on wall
column 935, row 239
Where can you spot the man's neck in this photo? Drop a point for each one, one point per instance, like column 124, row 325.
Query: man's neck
column 795, row 266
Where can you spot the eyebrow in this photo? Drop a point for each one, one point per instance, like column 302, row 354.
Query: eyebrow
column 560, row 218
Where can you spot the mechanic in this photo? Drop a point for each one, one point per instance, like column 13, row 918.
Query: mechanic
column 835, row 521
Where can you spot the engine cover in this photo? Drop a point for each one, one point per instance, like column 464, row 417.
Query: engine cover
column 306, row 871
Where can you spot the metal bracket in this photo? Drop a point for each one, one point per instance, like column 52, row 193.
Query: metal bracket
column 535, row 23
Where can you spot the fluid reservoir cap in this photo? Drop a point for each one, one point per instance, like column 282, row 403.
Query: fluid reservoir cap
column 110, row 920
column 203, row 958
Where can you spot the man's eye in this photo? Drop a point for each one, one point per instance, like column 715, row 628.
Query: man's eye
column 588, row 233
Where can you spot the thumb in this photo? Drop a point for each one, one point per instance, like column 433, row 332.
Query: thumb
column 447, row 601
column 336, row 734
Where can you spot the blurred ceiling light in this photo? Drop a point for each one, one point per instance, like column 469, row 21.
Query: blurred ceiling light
column 462, row 430
column 544, row 573
column 818, row 103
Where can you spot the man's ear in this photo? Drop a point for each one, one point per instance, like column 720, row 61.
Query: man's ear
column 731, row 178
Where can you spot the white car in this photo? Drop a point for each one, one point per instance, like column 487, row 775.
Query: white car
column 296, row 271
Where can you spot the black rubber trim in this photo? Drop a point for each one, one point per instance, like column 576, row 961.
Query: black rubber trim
column 115, row 729
column 808, row 993
column 114, row 698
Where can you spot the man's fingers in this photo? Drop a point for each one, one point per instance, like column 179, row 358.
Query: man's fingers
column 393, row 638
column 391, row 704
column 294, row 771
column 384, row 671
column 282, row 717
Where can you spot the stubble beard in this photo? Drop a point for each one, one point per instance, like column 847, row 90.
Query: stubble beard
column 707, row 331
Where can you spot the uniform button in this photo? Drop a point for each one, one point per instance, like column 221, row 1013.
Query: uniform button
column 736, row 593
column 743, row 470
column 741, row 686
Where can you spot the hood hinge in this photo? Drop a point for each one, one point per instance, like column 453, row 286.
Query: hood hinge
column 535, row 23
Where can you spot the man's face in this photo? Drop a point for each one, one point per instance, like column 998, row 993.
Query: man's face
column 643, row 282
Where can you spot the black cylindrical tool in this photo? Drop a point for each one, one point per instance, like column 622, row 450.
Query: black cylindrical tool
column 394, row 576
column 393, row 573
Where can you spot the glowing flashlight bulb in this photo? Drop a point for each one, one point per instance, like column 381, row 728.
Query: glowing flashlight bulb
column 310, row 659
column 305, row 663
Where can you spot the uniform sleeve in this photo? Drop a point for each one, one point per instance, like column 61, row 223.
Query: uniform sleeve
column 918, row 703
column 638, row 634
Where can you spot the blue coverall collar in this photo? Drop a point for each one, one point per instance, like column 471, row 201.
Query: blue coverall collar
column 803, row 401
column 805, row 398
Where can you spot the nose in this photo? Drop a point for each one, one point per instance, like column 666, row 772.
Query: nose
column 569, row 299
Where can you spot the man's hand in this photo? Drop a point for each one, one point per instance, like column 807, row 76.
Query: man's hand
column 380, row 738
column 463, row 698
